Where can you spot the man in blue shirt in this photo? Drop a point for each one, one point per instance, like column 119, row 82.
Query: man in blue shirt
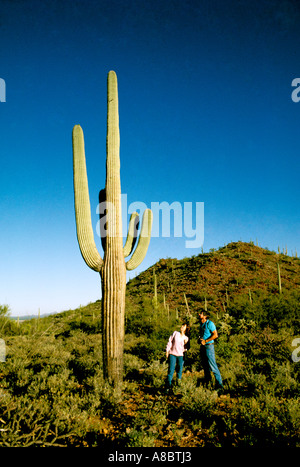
column 208, row 333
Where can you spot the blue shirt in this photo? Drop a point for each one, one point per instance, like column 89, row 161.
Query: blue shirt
column 206, row 330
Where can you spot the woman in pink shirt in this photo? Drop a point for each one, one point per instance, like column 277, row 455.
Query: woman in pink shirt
column 174, row 352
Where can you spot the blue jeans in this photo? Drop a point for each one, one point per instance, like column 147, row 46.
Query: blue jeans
column 174, row 363
column 208, row 359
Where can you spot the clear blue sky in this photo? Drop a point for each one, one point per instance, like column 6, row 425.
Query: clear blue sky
column 206, row 115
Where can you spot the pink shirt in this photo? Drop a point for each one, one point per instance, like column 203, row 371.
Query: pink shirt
column 175, row 345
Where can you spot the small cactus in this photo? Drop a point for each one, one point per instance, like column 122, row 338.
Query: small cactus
column 112, row 267
column 155, row 289
column 187, row 305
column 250, row 296
column 279, row 279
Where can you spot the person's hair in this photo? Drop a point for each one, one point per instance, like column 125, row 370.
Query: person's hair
column 188, row 328
column 187, row 345
column 203, row 312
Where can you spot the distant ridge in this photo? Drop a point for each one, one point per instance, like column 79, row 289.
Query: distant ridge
column 211, row 280
column 27, row 317
column 214, row 279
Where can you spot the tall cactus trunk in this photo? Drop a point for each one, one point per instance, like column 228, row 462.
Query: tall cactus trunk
column 113, row 267
column 113, row 317
column 113, row 273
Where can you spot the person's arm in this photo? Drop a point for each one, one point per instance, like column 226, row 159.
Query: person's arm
column 212, row 337
column 186, row 339
column 169, row 345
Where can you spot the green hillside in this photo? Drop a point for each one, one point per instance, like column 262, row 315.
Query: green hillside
column 51, row 387
column 236, row 270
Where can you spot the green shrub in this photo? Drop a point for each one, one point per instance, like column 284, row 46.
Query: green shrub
column 285, row 382
column 198, row 402
column 155, row 374
column 132, row 365
column 144, row 348
column 266, row 421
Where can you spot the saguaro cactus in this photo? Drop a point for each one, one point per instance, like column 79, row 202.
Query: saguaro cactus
column 279, row 279
column 112, row 267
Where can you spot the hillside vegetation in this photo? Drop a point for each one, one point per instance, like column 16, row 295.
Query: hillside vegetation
column 51, row 387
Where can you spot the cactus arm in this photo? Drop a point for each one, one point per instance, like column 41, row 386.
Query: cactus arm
column 82, row 204
column 143, row 243
column 131, row 235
